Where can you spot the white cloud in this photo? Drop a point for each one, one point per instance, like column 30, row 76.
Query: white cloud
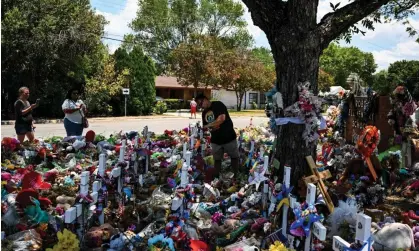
column 408, row 50
column 396, row 30
column 118, row 23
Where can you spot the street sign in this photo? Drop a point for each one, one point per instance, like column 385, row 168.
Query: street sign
column 125, row 91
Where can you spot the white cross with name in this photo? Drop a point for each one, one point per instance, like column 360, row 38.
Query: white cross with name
column 362, row 236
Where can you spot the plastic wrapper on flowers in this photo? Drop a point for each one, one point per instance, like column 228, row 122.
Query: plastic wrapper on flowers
column 28, row 240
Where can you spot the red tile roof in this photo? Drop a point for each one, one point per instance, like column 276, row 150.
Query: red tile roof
column 171, row 82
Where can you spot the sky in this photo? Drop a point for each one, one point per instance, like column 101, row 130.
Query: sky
column 389, row 42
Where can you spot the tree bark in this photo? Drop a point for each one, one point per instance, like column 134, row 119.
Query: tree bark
column 295, row 63
column 297, row 42
column 239, row 98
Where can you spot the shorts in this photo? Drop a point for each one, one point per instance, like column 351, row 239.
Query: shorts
column 73, row 129
column 193, row 109
column 22, row 129
column 231, row 148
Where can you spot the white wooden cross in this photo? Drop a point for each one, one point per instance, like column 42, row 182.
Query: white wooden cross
column 97, row 185
column 184, row 174
column 122, row 150
column 318, row 229
column 147, row 141
column 185, row 148
column 134, row 156
column 290, row 238
column 287, row 176
column 192, row 137
column 116, row 173
column 363, row 234
column 201, row 136
column 310, row 200
column 265, row 190
column 262, row 151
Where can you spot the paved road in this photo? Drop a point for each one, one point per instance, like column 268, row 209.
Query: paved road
column 108, row 127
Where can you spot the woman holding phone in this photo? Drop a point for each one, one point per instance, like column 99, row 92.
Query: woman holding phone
column 24, row 119
column 75, row 111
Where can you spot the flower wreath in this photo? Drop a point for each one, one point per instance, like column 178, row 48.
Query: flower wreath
column 368, row 140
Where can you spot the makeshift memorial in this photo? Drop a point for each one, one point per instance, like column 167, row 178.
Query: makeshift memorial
column 157, row 196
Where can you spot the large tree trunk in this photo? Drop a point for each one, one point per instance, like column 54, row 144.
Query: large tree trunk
column 297, row 61
column 239, row 97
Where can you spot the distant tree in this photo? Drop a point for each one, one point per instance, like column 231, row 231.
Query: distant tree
column 406, row 73
column 241, row 72
column 162, row 25
column 194, row 62
column 104, row 87
column 48, row 46
column 341, row 61
column 122, row 59
column 325, row 81
column 265, row 56
column 142, row 83
column 382, row 83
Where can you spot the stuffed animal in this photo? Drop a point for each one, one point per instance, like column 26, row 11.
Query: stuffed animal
column 394, row 236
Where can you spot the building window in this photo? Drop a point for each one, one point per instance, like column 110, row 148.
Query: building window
column 253, row 97
column 262, row 98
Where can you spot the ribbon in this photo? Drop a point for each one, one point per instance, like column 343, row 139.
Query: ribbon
column 282, row 197
column 304, row 220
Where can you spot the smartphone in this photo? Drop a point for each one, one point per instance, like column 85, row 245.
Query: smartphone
column 37, row 101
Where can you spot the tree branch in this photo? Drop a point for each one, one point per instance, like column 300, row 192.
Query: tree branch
column 266, row 13
column 335, row 23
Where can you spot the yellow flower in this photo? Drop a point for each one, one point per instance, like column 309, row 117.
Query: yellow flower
column 277, row 246
column 232, row 189
column 66, row 241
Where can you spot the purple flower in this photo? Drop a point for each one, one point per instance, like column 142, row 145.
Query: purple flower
column 409, row 108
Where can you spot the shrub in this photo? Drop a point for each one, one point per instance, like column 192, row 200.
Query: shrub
column 254, row 106
column 160, row 107
column 174, row 104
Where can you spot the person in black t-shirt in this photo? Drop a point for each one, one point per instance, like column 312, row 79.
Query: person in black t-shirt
column 215, row 117
column 24, row 120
